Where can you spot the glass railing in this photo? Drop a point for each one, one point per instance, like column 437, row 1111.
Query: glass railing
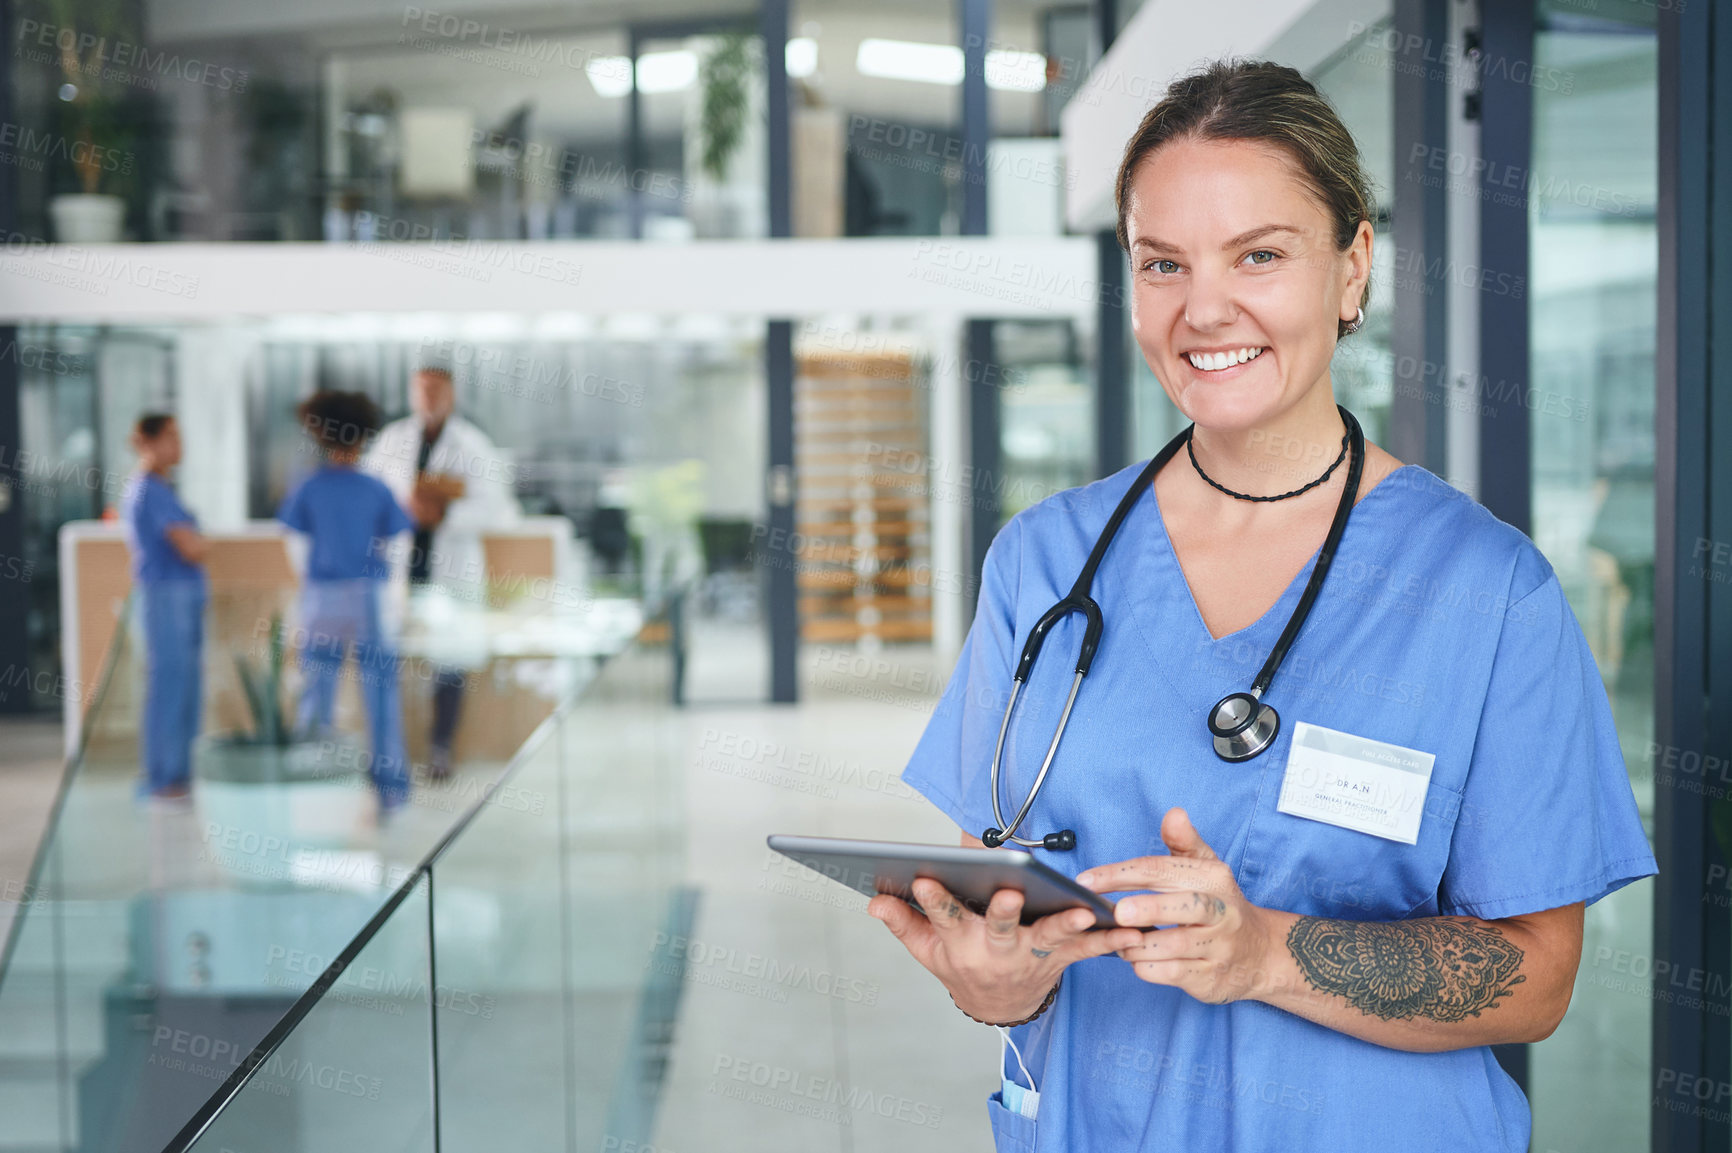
column 502, row 988
column 158, row 944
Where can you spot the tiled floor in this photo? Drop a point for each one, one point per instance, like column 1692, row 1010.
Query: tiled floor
column 806, row 1026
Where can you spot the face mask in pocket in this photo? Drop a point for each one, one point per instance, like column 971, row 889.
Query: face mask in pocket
column 1024, row 1102
column 1021, row 1101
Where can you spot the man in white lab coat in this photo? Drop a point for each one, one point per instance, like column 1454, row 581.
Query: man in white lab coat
column 456, row 485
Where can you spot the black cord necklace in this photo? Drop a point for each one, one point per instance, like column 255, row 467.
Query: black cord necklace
column 1327, row 473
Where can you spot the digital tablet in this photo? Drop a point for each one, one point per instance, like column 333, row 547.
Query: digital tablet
column 872, row 867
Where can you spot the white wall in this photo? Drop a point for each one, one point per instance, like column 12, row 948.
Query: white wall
column 1166, row 39
column 211, row 364
column 971, row 276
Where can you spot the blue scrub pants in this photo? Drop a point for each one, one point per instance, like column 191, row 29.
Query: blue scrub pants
column 337, row 616
column 173, row 619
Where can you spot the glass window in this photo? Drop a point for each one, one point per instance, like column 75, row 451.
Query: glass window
column 1035, row 60
column 1046, row 410
column 646, row 434
column 1359, row 82
column 1592, row 307
column 876, row 120
column 498, row 134
column 703, row 143
column 127, row 130
column 427, row 127
column 80, row 387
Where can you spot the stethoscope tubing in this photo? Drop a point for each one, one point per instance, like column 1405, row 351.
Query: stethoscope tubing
column 1079, row 600
column 1009, row 831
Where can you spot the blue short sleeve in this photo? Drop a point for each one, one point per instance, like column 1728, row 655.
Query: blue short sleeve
column 293, row 512
column 952, row 764
column 151, row 513
column 150, row 508
column 1547, row 816
column 162, row 510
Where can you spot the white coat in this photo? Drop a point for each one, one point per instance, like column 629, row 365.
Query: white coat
column 458, row 564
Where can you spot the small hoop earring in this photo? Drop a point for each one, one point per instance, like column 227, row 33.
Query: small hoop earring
column 1356, row 324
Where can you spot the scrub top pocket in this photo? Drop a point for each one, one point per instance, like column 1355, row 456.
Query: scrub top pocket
column 1011, row 1132
column 1299, row 865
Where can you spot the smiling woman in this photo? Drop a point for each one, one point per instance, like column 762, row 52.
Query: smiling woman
column 1327, row 926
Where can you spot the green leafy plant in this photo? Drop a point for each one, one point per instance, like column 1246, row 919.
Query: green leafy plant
column 726, row 74
column 264, row 693
column 94, row 107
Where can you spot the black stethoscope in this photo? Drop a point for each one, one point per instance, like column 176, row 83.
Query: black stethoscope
column 1242, row 724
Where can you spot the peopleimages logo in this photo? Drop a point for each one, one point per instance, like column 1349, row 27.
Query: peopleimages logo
column 53, row 146
column 1464, row 174
column 116, row 59
column 1446, row 60
column 668, row 949
column 1439, row 269
column 87, row 269
column 990, row 274
column 204, row 1055
column 538, row 49
column 43, row 683
column 798, row 1091
column 457, row 255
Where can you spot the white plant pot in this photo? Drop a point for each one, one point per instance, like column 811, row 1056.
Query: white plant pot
column 263, row 810
column 84, row 218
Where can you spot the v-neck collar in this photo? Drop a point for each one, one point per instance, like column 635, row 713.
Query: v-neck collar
column 1164, row 541
column 1155, row 576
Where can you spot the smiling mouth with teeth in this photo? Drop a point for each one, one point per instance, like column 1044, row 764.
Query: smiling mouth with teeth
column 1216, row 361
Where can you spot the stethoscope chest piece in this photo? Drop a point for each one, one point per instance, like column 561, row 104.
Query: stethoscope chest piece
column 1242, row 726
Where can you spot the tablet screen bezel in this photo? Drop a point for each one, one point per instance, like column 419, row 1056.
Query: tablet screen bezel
column 973, row 875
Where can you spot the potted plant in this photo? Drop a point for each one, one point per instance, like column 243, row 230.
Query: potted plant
column 726, row 75
column 268, row 795
column 98, row 102
column 722, row 198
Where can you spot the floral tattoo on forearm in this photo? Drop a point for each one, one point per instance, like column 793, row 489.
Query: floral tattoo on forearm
column 1438, row 969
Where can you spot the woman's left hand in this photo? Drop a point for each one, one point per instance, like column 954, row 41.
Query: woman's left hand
column 1218, row 945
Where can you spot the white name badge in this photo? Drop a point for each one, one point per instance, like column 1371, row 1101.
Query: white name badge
column 1355, row 783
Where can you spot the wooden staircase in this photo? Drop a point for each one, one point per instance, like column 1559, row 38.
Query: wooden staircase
column 861, row 512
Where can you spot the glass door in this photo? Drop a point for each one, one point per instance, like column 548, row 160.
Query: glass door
column 1594, row 260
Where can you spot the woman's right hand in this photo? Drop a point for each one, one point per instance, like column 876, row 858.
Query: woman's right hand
column 995, row 967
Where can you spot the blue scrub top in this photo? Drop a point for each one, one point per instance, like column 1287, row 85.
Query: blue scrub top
column 148, row 509
column 349, row 516
column 1440, row 629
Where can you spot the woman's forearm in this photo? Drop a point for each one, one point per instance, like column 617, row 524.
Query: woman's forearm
column 1429, row 984
column 191, row 544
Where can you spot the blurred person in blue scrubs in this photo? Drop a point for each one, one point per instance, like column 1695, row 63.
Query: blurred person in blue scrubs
column 1319, row 944
column 169, row 582
column 349, row 518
